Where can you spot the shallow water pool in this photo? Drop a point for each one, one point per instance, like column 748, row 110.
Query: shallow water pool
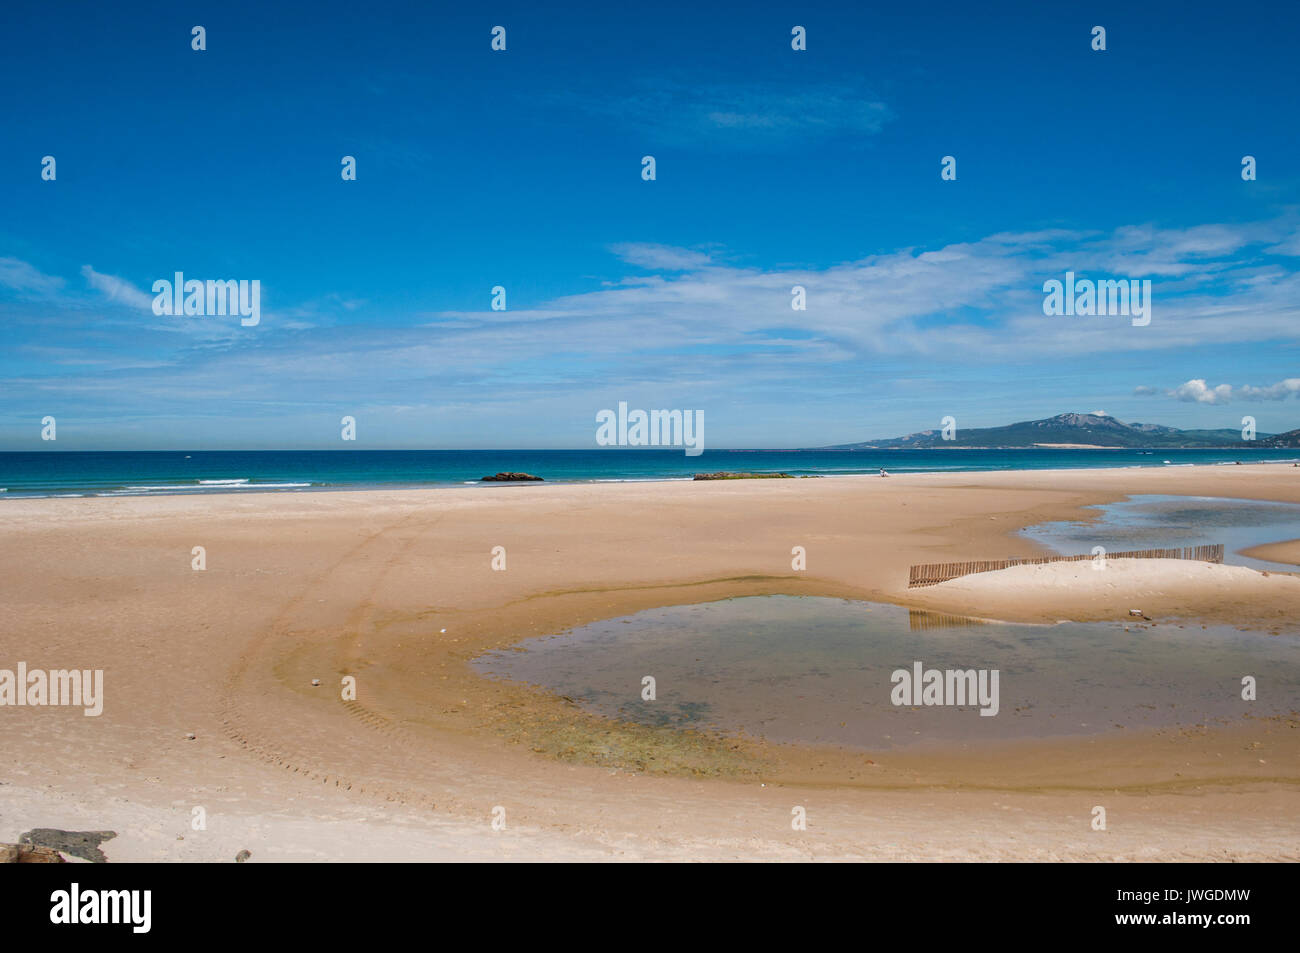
column 1153, row 521
column 819, row 671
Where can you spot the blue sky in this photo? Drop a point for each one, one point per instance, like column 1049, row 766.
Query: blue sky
column 523, row 169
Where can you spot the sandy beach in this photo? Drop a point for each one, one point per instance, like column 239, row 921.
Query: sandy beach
column 396, row 589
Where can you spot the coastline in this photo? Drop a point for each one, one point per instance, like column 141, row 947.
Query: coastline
column 301, row 586
column 73, row 474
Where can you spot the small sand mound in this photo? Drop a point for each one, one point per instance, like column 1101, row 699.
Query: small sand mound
column 1080, row 590
column 1109, row 576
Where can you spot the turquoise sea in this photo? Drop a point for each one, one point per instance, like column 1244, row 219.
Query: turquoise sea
column 140, row 473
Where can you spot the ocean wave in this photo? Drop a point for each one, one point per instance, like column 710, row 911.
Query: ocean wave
column 652, row 479
column 166, row 488
column 211, row 487
column 268, row 486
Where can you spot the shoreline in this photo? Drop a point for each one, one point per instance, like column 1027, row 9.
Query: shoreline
column 241, row 486
column 320, row 585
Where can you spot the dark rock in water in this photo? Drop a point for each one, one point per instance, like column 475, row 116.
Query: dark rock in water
column 510, row 478
column 27, row 854
column 731, row 475
column 83, row 844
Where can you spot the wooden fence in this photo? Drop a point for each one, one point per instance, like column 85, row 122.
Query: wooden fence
column 931, row 574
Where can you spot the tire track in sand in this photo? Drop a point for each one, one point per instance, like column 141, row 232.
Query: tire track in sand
column 252, row 736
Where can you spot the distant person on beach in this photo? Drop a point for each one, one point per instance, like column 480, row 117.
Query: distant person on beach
column 882, row 472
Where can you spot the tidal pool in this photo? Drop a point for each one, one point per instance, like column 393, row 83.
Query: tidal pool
column 820, row 671
column 1153, row 521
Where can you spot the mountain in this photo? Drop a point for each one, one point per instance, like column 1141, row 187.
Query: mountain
column 1093, row 430
column 1289, row 439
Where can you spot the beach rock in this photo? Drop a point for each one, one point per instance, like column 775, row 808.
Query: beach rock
column 242, row 856
column 29, row 854
column 83, row 844
column 510, row 478
column 735, row 475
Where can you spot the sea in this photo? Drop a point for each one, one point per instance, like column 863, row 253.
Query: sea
column 73, row 473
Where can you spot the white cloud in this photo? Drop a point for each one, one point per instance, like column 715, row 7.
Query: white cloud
column 21, row 276
column 1289, row 247
column 117, row 289
column 980, row 300
column 1279, row 391
column 662, row 257
column 1198, row 391
column 688, row 321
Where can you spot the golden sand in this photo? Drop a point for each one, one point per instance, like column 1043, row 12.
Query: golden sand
column 325, row 585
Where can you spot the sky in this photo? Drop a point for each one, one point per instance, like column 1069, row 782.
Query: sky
column 522, row 169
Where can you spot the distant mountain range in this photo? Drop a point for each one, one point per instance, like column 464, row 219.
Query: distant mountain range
column 1090, row 430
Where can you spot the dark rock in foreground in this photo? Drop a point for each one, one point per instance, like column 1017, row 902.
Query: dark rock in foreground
column 729, row 475
column 510, row 478
column 83, row 844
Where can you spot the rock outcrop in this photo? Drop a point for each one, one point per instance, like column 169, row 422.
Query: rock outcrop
column 82, row 844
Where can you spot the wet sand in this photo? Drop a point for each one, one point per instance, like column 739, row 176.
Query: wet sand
column 322, row 585
column 1287, row 551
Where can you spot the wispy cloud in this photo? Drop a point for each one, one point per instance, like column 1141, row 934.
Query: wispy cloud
column 23, row 277
column 979, row 300
column 1279, row 391
column 117, row 289
column 734, row 115
column 684, row 321
column 661, row 257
